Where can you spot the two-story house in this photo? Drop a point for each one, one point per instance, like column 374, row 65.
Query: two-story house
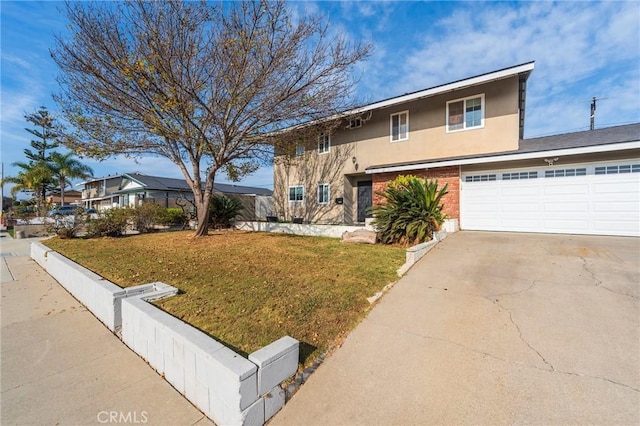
column 99, row 193
column 468, row 134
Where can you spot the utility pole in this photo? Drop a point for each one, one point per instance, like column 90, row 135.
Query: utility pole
column 593, row 112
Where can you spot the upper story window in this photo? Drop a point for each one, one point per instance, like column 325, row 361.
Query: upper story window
column 324, row 143
column 400, row 126
column 296, row 194
column 467, row 113
column 299, row 150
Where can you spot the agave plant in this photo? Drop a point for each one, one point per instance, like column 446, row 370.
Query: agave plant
column 223, row 210
column 411, row 212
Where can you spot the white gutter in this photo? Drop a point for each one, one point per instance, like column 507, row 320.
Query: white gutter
column 508, row 157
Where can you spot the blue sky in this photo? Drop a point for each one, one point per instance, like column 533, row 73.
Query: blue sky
column 581, row 49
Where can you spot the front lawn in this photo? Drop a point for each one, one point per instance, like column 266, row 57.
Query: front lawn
column 249, row 289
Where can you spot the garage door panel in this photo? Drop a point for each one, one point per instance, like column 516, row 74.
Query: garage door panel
column 481, row 192
column 623, row 187
column 622, row 228
column 564, row 189
column 523, row 208
column 480, row 210
column 555, row 202
column 558, row 225
column 567, row 207
column 528, row 190
column 607, row 207
column 521, row 224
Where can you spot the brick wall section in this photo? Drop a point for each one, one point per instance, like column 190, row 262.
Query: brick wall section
column 450, row 175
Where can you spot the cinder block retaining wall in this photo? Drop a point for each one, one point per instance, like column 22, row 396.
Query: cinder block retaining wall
column 332, row 231
column 228, row 388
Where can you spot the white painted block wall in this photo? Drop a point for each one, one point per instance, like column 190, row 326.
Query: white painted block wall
column 223, row 384
column 227, row 387
column 332, row 231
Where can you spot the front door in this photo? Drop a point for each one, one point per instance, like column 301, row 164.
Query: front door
column 365, row 199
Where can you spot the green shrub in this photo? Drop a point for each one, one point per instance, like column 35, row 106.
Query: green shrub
column 223, row 210
column 174, row 216
column 147, row 215
column 110, row 223
column 67, row 226
column 411, row 212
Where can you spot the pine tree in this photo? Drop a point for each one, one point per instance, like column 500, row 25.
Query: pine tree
column 46, row 134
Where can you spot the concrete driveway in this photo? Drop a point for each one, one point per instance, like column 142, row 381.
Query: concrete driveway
column 492, row 328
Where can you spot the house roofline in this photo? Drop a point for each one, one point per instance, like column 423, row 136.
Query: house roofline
column 521, row 69
column 524, row 68
column 507, row 157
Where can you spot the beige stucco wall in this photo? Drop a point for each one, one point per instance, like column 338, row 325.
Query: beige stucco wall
column 562, row 160
column 370, row 145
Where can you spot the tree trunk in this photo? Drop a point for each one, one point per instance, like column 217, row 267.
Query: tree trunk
column 62, row 185
column 202, row 209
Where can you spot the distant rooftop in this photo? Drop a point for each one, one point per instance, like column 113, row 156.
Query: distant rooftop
column 159, row 183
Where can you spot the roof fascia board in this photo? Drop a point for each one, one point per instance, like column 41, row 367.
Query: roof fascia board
column 510, row 157
column 128, row 176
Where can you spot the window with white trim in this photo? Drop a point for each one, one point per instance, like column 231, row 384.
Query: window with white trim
column 614, row 170
column 296, row 194
column 299, row 150
column 323, row 193
column 519, row 175
column 582, row 171
column 399, row 126
column 324, row 143
column 480, row 178
column 466, row 113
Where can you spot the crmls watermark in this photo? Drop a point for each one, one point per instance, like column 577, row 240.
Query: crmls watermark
column 130, row 417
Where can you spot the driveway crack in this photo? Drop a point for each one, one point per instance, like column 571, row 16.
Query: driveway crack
column 551, row 368
column 599, row 283
column 588, row 376
column 520, row 335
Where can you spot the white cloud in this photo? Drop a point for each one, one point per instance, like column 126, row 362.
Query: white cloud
column 573, row 44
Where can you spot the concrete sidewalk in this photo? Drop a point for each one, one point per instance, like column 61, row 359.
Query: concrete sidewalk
column 492, row 328
column 60, row 365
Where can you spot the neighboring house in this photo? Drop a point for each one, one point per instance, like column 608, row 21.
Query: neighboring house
column 131, row 189
column 468, row 134
column 70, row 197
column 98, row 193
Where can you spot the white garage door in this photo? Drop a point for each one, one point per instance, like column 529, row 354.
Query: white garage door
column 593, row 198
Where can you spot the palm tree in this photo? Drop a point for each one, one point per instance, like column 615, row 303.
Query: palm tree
column 34, row 177
column 65, row 168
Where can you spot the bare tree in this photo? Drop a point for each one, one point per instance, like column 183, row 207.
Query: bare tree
column 198, row 83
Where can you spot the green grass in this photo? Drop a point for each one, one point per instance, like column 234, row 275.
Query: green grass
column 249, row 289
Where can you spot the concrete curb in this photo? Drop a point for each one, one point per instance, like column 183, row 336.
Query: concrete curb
column 416, row 252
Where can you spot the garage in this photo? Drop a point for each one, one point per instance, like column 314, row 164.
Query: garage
column 597, row 198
